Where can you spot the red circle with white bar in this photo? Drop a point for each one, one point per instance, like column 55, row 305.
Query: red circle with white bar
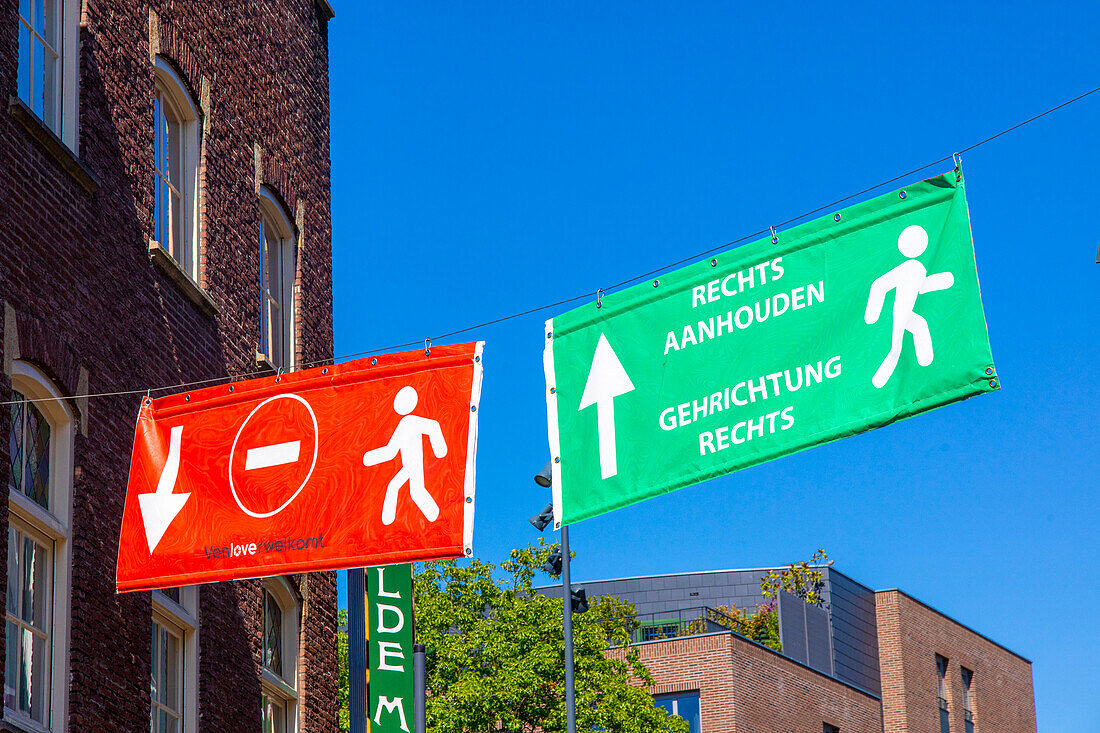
column 278, row 451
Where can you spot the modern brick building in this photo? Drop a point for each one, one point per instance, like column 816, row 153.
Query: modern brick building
column 862, row 662
column 164, row 218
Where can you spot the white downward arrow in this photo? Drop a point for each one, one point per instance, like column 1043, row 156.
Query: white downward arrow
column 159, row 508
column 606, row 380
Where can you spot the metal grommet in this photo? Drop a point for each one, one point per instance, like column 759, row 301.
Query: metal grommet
column 714, row 263
column 373, row 362
column 992, row 382
column 187, row 398
column 836, row 216
column 477, row 358
column 324, row 371
column 473, row 408
column 557, row 459
column 656, row 283
column 989, row 370
column 902, row 194
column 549, row 334
column 231, row 388
column 278, row 379
column 553, row 390
column 469, row 551
column 469, row 500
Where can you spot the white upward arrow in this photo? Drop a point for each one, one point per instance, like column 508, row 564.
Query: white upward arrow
column 159, row 508
column 606, row 380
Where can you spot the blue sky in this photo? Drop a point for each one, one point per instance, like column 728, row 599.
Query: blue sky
column 490, row 158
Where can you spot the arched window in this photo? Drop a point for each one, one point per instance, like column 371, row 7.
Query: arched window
column 277, row 269
column 39, row 505
column 176, row 140
column 279, row 652
column 174, row 682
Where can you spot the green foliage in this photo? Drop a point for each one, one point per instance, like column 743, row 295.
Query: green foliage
column 761, row 625
column 495, row 654
column 797, row 578
column 344, row 719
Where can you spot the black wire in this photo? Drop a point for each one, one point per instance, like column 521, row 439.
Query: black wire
column 628, row 281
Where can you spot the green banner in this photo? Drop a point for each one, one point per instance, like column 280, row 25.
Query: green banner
column 390, row 647
column 845, row 324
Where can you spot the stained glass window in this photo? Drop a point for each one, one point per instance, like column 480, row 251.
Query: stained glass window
column 29, row 446
column 273, row 634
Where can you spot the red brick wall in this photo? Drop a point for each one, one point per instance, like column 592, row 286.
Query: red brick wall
column 746, row 688
column 75, row 272
column 910, row 635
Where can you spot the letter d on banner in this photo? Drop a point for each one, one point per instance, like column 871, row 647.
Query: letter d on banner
column 390, row 647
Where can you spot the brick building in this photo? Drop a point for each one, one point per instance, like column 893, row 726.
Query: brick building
column 164, row 218
column 862, row 662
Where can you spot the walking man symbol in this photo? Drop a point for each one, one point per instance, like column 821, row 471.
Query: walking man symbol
column 408, row 441
column 909, row 279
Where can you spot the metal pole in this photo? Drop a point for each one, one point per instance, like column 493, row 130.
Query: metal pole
column 419, row 713
column 567, row 600
column 357, row 650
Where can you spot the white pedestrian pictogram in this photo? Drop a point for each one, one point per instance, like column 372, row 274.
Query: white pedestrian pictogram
column 908, row 280
column 408, row 441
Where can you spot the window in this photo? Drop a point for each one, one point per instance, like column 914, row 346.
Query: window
column 968, row 699
column 37, row 610
column 277, row 266
column 279, row 653
column 660, row 630
column 683, row 704
column 941, row 693
column 176, row 140
column 173, row 687
column 48, row 68
column 826, row 728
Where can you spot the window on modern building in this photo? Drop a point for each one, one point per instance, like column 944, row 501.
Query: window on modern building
column 683, row 704
column 176, row 143
column 941, row 693
column 826, row 728
column 174, row 681
column 39, row 504
column 279, row 650
column 968, row 699
column 47, row 74
column 277, row 269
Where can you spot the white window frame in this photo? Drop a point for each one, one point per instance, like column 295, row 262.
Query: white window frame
column 183, row 619
column 274, row 216
column 51, row 525
column 170, row 88
column 66, row 87
column 283, row 688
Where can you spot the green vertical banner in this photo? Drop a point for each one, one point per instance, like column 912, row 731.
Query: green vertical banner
column 390, row 647
column 844, row 324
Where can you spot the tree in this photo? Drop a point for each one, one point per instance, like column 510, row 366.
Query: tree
column 799, row 579
column 495, row 654
column 344, row 719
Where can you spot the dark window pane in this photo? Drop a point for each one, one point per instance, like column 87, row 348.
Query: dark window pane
column 36, row 458
column 273, row 635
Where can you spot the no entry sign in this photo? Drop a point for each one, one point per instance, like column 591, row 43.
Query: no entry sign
column 841, row 325
column 358, row 464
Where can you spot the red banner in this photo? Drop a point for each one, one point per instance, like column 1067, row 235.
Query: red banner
column 364, row 463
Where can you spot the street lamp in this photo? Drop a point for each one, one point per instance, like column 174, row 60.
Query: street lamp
column 559, row 561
